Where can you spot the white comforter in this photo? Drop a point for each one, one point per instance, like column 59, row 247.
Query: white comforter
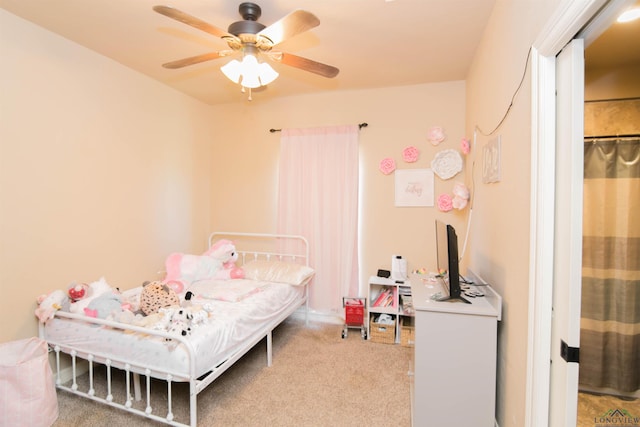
column 237, row 309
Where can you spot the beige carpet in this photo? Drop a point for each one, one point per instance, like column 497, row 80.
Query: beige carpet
column 317, row 379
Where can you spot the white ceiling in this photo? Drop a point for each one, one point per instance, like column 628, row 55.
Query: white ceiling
column 374, row 43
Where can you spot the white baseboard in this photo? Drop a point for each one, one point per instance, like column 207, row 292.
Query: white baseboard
column 66, row 374
column 319, row 317
column 610, row 391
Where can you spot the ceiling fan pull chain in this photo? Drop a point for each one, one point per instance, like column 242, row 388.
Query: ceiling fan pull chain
column 244, row 90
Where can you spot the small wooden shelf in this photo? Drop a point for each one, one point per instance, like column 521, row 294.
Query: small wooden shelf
column 393, row 306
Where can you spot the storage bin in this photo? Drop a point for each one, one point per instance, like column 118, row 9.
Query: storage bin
column 354, row 311
column 407, row 331
column 382, row 332
column 28, row 393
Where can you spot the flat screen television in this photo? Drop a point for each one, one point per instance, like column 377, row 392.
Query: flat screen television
column 447, row 260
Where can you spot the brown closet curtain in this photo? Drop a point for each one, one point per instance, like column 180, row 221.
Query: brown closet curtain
column 610, row 319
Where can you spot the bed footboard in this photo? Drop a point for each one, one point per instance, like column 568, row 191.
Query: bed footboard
column 115, row 382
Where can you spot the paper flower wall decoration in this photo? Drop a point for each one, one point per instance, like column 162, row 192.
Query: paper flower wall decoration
column 447, row 164
column 445, row 204
column 410, row 154
column 460, row 196
column 387, row 165
column 465, row 146
column 436, row 135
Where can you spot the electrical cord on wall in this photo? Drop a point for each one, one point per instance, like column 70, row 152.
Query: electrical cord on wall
column 513, row 98
column 473, row 164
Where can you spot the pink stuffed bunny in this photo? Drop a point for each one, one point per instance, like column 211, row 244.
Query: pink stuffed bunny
column 218, row 262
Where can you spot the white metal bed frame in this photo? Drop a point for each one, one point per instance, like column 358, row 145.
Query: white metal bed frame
column 133, row 371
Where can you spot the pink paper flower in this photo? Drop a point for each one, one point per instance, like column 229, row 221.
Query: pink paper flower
column 436, row 135
column 387, row 165
column 460, row 196
column 410, row 154
column 445, row 204
column 465, row 146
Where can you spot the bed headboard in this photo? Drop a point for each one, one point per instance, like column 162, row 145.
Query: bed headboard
column 251, row 246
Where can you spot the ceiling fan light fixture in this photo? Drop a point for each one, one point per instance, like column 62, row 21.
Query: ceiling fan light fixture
column 266, row 73
column 232, row 70
column 629, row 15
column 250, row 73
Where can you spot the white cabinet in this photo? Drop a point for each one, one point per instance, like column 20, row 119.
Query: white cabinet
column 454, row 366
column 390, row 296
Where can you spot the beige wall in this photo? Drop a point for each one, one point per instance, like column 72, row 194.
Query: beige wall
column 100, row 166
column 612, row 83
column 124, row 164
column 499, row 239
column 102, row 171
column 397, row 117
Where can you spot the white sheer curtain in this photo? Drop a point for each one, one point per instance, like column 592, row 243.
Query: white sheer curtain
column 318, row 198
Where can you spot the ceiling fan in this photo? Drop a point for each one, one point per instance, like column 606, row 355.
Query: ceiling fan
column 253, row 39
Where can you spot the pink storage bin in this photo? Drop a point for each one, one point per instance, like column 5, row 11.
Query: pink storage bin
column 27, row 391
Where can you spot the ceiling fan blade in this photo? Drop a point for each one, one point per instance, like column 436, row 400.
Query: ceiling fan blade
column 196, row 59
column 305, row 64
column 185, row 18
column 290, row 25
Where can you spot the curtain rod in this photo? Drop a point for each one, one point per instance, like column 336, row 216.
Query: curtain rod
column 629, row 135
column 591, row 101
column 361, row 125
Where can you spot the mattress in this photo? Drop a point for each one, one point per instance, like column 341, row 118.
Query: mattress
column 238, row 309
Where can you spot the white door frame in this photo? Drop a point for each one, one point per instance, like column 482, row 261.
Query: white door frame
column 565, row 326
column 568, row 20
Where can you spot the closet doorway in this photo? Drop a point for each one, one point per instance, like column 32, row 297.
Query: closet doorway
column 609, row 371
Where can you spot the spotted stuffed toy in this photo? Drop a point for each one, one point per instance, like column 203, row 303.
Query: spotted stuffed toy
column 156, row 295
column 180, row 323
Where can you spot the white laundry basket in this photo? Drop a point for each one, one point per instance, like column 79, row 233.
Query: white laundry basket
column 27, row 391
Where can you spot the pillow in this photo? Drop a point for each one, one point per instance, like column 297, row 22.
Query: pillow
column 278, row 271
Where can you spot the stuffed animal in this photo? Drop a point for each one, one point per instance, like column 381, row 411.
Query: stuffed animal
column 156, row 295
column 226, row 250
column 49, row 304
column 77, row 291
column 107, row 305
column 181, row 321
column 216, row 263
column 95, row 290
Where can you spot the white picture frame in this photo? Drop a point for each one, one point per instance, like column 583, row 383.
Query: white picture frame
column 491, row 161
column 414, row 187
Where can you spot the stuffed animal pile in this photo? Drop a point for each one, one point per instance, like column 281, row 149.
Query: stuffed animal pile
column 156, row 306
column 162, row 305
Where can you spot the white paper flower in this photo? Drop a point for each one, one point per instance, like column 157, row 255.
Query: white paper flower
column 436, row 135
column 460, row 196
column 461, row 190
column 459, row 203
column 447, row 164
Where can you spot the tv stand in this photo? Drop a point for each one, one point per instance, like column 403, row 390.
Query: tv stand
column 454, row 359
column 453, row 299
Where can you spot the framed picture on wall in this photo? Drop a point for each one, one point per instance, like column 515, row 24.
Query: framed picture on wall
column 414, row 187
